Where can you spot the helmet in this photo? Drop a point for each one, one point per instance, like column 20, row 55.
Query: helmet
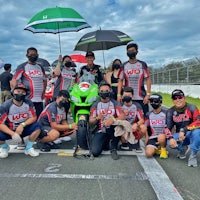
column 156, row 98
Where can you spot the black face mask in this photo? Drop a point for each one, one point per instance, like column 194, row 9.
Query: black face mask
column 68, row 64
column 64, row 104
column 126, row 99
column 131, row 54
column 155, row 105
column 19, row 97
column 104, row 95
column 33, row 58
column 116, row 66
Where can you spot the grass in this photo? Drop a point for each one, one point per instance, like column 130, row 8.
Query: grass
column 167, row 101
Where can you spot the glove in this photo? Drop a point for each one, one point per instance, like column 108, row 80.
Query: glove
column 16, row 137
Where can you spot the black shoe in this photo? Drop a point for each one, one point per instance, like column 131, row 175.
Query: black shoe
column 114, row 154
column 137, row 147
column 125, row 147
column 53, row 145
column 45, row 147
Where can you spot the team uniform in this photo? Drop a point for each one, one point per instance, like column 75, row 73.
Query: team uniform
column 12, row 115
column 52, row 113
column 104, row 135
column 133, row 114
column 156, row 123
column 64, row 81
column 134, row 75
column 98, row 77
column 33, row 77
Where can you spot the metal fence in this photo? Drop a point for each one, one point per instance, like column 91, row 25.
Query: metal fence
column 184, row 72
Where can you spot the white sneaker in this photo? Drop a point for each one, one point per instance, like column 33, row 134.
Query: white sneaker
column 66, row 138
column 4, row 152
column 58, row 141
column 31, row 152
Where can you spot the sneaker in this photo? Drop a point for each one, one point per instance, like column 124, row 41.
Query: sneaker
column 66, row 138
column 45, row 147
column 125, row 147
column 53, row 145
column 138, row 149
column 163, row 153
column 58, row 141
column 182, row 154
column 114, row 154
column 31, row 152
column 192, row 161
column 21, row 146
column 4, row 152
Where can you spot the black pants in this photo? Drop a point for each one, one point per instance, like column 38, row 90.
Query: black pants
column 145, row 107
column 104, row 141
column 38, row 107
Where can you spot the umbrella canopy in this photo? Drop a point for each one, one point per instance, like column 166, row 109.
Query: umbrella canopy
column 56, row 20
column 78, row 58
column 102, row 40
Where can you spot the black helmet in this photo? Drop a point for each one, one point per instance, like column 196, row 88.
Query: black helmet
column 156, row 98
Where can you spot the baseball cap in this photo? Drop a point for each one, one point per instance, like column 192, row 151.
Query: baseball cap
column 177, row 92
column 89, row 53
column 21, row 86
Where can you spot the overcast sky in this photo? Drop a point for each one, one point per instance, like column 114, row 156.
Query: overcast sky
column 165, row 30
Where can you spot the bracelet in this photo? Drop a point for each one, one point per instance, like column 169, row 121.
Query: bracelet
column 119, row 95
column 70, row 126
column 148, row 94
column 24, row 124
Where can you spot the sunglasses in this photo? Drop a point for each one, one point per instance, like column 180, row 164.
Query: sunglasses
column 177, row 97
column 154, row 101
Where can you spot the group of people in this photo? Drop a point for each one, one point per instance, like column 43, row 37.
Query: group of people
column 121, row 115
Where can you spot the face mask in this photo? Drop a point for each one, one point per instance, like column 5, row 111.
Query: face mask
column 33, row 58
column 63, row 104
column 19, row 97
column 104, row 95
column 116, row 66
column 155, row 105
column 126, row 99
column 131, row 54
column 68, row 64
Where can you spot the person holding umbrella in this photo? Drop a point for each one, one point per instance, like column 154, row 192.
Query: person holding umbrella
column 92, row 68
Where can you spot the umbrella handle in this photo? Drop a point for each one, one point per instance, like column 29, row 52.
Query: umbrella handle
column 59, row 43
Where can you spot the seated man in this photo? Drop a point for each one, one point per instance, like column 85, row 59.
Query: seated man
column 156, row 123
column 17, row 120
column 103, row 114
column 53, row 121
column 134, row 115
column 180, row 116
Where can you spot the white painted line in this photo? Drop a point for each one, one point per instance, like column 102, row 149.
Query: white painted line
column 138, row 176
column 71, row 151
column 163, row 187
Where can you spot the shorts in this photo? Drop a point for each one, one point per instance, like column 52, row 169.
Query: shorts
column 28, row 130
column 152, row 142
column 44, row 131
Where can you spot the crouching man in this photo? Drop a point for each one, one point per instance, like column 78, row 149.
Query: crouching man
column 18, row 120
column 54, row 123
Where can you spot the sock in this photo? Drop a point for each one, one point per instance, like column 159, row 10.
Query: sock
column 29, row 145
column 4, row 146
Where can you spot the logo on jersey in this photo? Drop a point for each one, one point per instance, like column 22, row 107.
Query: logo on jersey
column 20, row 116
column 181, row 118
column 157, row 122
column 133, row 71
column 34, row 72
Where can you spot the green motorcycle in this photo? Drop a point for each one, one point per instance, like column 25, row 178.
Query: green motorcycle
column 82, row 96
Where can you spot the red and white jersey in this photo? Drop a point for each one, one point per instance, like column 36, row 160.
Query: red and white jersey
column 134, row 75
column 12, row 115
column 33, row 77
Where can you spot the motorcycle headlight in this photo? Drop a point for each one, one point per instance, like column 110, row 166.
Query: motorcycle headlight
column 93, row 99
column 74, row 99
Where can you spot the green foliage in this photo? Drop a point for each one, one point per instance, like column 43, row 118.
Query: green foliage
column 167, row 101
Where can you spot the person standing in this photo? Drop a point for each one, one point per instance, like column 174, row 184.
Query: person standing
column 33, row 76
column 5, row 79
column 92, row 68
column 18, row 120
column 135, row 73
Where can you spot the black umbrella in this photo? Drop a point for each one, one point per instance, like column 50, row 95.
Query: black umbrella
column 102, row 40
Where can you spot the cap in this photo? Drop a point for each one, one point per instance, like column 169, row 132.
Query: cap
column 21, row 86
column 177, row 92
column 89, row 53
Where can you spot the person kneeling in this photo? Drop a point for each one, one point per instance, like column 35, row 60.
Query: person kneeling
column 54, row 123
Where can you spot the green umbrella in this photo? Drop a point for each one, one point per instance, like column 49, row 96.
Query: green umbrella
column 56, row 20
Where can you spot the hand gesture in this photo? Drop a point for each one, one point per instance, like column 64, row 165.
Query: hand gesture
column 173, row 143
